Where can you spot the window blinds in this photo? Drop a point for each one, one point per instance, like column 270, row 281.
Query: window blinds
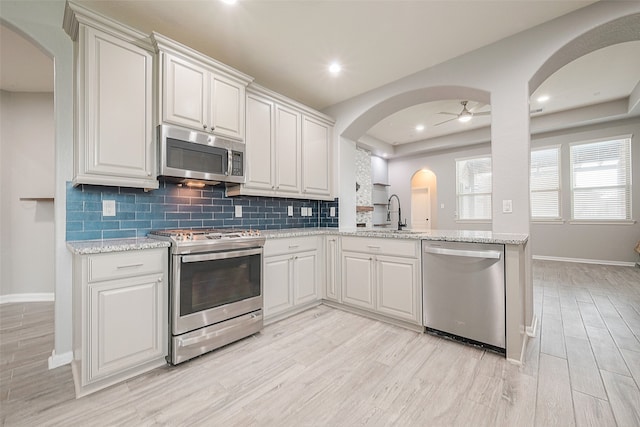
column 545, row 184
column 601, row 180
column 473, row 189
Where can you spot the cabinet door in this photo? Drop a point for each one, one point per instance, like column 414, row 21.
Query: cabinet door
column 288, row 154
column 115, row 111
column 277, row 289
column 127, row 326
column 398, row 287
column 357, row 279
column 227, row 107
column 260, row 143
column 305, row 277
column 186, row 90
column 332, row 290
column 316, row 155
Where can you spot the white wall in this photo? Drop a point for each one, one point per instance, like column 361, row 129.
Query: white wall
column 27, row 170
column 443, row 165
column 601, row 243
column 41, row 21
column 501, row 75
column 596, row 243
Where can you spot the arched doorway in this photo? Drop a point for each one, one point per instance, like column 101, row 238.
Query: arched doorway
column 424, row 196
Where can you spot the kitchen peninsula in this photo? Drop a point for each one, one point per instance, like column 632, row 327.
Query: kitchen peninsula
column 519, row 320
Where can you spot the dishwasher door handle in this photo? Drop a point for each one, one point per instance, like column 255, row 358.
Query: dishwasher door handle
column 464, row 253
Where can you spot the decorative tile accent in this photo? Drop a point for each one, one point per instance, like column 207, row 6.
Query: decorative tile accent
column 363, row 178
column 171, row 206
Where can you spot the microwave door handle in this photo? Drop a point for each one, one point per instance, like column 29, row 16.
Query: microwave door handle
column 229, row 162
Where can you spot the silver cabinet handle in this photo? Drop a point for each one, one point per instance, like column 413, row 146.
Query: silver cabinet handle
column 130, row 265
column 464, row 253
column 373, row 247
column 293, row 246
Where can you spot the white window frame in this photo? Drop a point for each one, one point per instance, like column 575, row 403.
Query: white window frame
column 557, row 219
column 628, row 190
column 459, row 195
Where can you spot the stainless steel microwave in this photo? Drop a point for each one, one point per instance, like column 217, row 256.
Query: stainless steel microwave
column 187, row 155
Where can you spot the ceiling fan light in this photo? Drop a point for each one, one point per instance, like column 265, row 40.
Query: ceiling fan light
column 464, row 118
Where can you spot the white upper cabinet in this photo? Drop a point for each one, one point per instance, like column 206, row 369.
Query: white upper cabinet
column 113, row 112
column 184, row 88
column 289, row 148
column 261, row 138
column 273, row 146
column 316, row 154
column 199, row 92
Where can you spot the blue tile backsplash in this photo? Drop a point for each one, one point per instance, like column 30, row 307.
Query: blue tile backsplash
column 171, row 206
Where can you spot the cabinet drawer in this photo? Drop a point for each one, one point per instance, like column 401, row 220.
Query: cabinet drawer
column 291, row 245
column 396, row 247
column 126, row 264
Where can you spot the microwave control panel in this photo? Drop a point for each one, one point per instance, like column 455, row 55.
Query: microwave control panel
column 236, row 164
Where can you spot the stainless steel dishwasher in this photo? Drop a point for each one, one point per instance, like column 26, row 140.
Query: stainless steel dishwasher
column 463, row 291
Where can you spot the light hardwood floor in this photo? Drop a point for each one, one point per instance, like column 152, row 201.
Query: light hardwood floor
column 332, row 368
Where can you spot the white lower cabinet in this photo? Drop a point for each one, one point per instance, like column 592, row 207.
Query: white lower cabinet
column 291, row 275
column 382, row 276
column 332, row 269
column 358, row 279
column 120, row 316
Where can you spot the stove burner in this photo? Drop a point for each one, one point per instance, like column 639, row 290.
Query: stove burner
column 209, row 239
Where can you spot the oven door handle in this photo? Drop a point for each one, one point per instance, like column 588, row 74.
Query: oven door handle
column 184, row 342
column 220, row 255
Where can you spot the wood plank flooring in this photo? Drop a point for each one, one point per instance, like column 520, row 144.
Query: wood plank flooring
column 327, row 367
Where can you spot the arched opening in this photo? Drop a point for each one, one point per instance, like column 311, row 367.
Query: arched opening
column 606, row 59
column 424, row 199
column 27, row 172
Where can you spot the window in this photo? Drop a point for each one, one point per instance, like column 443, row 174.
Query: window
column 601, row 180
column 545, row 184
column 473, row 188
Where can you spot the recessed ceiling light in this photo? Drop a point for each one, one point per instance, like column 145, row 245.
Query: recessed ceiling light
column 543, row 98
column 384, row 154
column 420, row 128
column 335, row 68
column 229, row 1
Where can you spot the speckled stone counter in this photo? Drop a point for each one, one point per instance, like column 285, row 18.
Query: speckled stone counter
column 85, row 247
column 471, row 236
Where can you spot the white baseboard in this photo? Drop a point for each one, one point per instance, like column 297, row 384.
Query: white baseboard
column 41, row 297
column 584, row 261
column 531, row 329
column 57, row 360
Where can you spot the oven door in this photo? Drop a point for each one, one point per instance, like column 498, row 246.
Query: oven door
column 213, row 287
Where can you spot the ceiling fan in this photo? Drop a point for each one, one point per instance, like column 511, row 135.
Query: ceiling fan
column 463, row 116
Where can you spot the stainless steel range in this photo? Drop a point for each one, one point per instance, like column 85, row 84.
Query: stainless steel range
column 215, row 289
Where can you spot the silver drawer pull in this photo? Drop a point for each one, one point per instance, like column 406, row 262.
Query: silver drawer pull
column 130, row 265
column 293, row 246
column 465, row 253
column 373, row 246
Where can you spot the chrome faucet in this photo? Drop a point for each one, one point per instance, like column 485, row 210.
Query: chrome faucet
column 400, row 224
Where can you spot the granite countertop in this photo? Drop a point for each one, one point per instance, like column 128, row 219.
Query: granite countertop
column 85, row 247
column 471, row 236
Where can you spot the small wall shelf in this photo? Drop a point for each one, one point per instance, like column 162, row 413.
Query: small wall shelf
column 36, row 199
column 381, row 184
column 364, row 208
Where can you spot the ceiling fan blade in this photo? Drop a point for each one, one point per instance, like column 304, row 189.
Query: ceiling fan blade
column 484, row 113
column 448, row 114
column 478, row 106
column 446, row 121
